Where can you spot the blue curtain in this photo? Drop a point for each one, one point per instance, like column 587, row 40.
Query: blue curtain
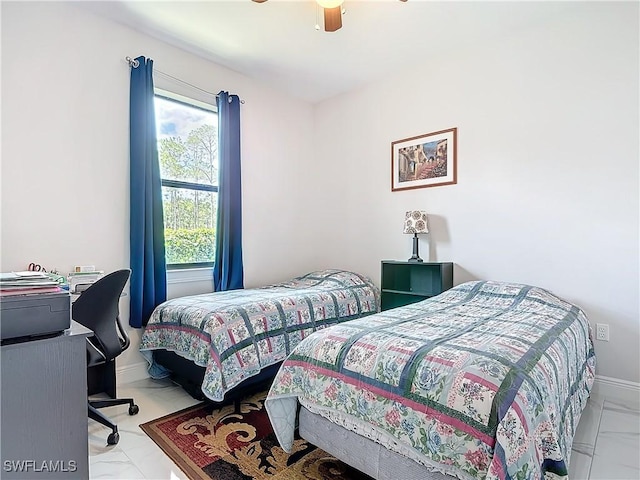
column 228, row 271
column 148, row 284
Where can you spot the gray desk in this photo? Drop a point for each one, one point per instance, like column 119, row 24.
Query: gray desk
column 44, row 407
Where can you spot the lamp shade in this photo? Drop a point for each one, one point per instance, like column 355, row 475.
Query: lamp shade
column 415, row 221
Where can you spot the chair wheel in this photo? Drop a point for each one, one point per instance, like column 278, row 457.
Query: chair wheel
column 113, row 439
column 133, row 409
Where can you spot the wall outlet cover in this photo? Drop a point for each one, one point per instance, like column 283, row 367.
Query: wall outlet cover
column 602, row 332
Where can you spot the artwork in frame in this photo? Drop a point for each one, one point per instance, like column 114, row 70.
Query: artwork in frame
column 427, row 160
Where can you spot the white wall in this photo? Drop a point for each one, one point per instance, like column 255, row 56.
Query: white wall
column 548, row 154
column 65, row 177
column 547, row 160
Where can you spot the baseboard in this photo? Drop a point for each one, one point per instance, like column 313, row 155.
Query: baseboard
column 132, row 373
column 617, row 390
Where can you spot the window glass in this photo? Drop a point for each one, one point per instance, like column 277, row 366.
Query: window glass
column 188, row 155
column 189, row 225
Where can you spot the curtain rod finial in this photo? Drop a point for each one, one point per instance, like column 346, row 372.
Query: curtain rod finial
column 132, row 62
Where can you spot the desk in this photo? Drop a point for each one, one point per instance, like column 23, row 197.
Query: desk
column 44, row 407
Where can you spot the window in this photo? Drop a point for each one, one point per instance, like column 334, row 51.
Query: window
column 188, row 155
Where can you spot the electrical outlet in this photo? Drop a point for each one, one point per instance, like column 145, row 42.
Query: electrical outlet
column 602, row 332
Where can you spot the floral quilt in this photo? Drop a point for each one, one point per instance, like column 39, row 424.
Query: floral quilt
column 486, row 380
column 236, row 333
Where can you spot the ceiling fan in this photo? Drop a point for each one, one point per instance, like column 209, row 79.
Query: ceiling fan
column 332, row 13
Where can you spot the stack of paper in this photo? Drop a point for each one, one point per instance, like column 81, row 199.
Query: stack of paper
column 26, row 283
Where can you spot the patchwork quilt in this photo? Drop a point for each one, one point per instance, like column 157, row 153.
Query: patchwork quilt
column 236, row 333
column 487, row 380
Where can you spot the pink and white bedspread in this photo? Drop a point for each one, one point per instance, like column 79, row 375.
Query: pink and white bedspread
column 487, row 380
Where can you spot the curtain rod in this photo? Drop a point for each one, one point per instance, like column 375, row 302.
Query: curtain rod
column 134, row 63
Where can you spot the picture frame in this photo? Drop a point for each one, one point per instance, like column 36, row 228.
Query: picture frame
column 428, row 160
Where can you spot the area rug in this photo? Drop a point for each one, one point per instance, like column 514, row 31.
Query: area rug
column 238, row 443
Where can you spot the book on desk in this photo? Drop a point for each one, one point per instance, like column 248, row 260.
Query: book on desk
column 27, row 283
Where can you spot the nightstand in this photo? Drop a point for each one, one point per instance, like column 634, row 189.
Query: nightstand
column 409, row 282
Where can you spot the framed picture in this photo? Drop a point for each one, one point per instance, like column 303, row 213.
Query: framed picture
column 427, row 160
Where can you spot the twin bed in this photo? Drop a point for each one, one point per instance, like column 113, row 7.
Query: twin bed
column 220, row 343
column 487, row 380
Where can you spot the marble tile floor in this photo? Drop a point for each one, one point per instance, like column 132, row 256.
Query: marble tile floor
column 606, row 445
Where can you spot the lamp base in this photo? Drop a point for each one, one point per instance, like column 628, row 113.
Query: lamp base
column 415, row 257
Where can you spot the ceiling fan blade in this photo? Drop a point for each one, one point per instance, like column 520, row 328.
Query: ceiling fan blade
column 262, row 1
column 332, row 19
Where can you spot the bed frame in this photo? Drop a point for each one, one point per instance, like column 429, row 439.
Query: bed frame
column 361, row 453
column 190, row 376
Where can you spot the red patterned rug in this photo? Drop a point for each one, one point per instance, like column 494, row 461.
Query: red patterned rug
column 209, row 442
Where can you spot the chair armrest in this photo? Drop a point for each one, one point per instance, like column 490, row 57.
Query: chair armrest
column 94, row 354
column 123, row 334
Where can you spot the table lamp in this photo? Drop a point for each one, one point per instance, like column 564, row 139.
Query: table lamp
column 415, row 222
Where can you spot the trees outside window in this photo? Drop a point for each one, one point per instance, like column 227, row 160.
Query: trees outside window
column 188, row 155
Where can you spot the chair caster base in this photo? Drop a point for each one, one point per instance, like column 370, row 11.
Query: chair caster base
column 113, row 438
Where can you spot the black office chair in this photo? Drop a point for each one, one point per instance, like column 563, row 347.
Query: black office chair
column 97, row 308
